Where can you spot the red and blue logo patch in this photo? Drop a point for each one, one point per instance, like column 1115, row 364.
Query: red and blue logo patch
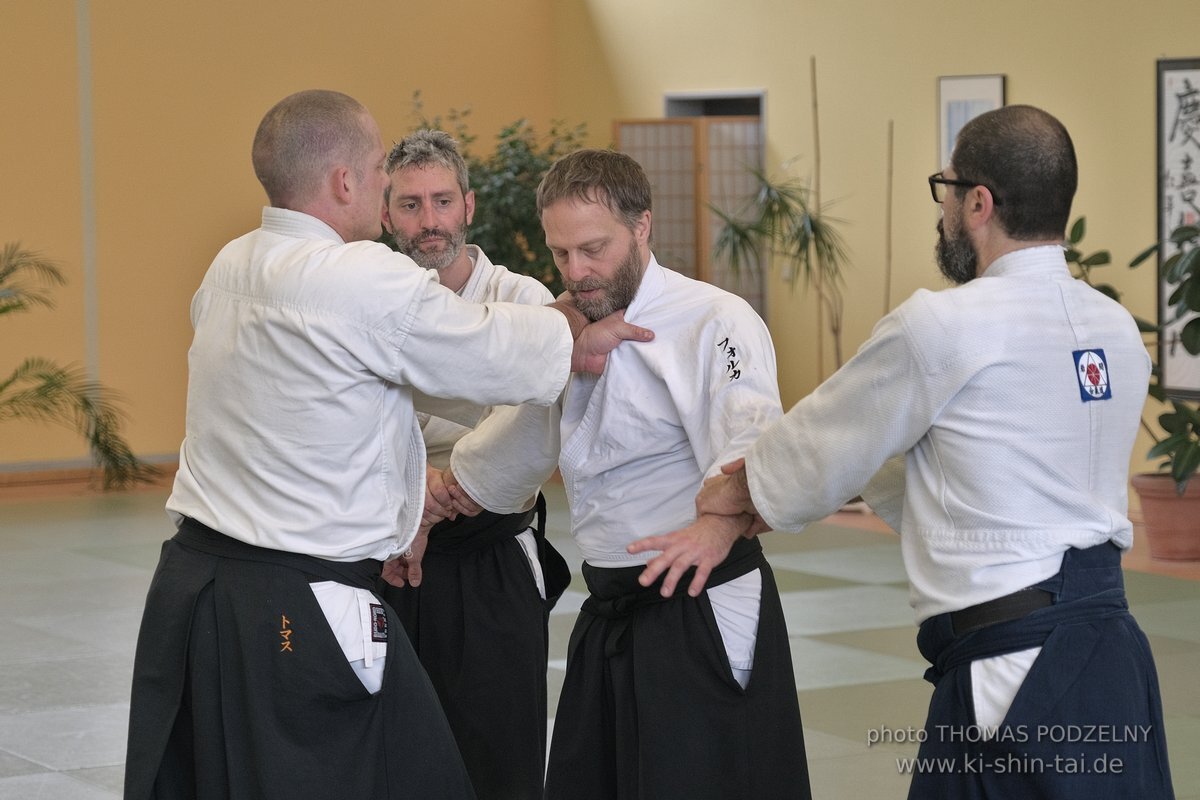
column 379, row 624
column 1091, row 370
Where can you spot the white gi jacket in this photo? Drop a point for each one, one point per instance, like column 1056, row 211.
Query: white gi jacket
column 1014, row 401
column 488, row 283
column 638, row 441
column 301, row 432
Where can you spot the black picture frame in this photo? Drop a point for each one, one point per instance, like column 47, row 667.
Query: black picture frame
column 1178, row 146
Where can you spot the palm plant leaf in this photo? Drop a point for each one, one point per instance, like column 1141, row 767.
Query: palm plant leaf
column 783, row 220
column 737, row 242
column 16, row 264
column 780, row 218
column 39, row 390
column 42, row 391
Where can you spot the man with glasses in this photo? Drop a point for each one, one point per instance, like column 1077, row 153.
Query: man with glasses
column 997, row 418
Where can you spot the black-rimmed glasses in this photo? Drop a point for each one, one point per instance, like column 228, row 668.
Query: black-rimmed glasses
column 938, row 184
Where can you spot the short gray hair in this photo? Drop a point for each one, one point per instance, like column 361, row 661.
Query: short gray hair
column 425, row 147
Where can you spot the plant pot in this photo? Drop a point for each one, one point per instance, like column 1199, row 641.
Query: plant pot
column 1171, row 521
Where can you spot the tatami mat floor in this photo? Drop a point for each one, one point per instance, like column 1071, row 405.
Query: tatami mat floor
column 74, row 568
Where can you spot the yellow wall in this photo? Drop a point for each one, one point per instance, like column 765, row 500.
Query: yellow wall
column 1091, row 64
column 177, row 90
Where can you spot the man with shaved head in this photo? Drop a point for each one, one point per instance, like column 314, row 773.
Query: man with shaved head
column 267, row 665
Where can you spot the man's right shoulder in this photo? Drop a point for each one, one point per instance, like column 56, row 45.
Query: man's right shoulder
column 515, row 287
column 314, row 272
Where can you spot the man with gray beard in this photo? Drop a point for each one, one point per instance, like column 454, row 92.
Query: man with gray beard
column 264, row 664
column 997, row 418
column 477, row 612
column 690, row 695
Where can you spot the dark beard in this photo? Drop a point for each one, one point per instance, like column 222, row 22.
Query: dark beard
column 434, row 259
column 956, row 257
column 619, row 290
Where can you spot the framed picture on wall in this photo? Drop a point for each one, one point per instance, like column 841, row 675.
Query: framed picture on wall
column 1178, row 204
column 961, row 98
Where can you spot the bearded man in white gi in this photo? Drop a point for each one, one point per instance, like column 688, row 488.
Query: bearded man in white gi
column 683, row 696
column 260, row 667
column 477, row 615
column 1005, row 410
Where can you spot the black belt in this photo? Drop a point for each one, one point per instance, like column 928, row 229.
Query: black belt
column 1002, row 609
column 469, row 534
column 616, row 595
column 198, row 536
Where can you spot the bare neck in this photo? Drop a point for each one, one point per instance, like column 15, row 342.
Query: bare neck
column 455, row 276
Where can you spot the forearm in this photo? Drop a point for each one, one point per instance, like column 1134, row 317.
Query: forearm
column 503, row 462
column 575, row 318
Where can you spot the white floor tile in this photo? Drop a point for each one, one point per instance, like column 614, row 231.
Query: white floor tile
column 849, row 608
column 52, row 786
column 74, row 574
column 68, row 738
column 110, row 631
column 819, row 665
column 67, row 597
column 1179, row 619
column 96, row 680
column 569, row 603
column 36, row 567
column 874, row 564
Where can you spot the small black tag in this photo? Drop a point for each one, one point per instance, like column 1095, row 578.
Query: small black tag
column 378, row 623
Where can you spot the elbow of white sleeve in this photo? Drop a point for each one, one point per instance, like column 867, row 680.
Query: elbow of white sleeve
column 763, row 487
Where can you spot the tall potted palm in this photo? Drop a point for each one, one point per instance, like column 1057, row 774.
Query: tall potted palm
column 782, row 219
column 40, row 390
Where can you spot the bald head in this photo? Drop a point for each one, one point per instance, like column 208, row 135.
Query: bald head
column 304, row 136
column 1026, row 157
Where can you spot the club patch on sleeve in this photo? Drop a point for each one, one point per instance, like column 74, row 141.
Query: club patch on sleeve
column 1091, row 370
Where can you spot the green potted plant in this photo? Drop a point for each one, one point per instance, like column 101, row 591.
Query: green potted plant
column 783, row 220
column 1169, row 498
column 42, row 391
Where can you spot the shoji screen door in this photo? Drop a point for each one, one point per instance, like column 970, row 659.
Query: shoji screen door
column 692, row 163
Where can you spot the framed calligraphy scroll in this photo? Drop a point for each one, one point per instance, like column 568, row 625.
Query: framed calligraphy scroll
column 961, row 98
column 1178, row 204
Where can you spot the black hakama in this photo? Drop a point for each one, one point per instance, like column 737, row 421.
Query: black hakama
column 479, row 627
column 241, row 690
column 650, row 708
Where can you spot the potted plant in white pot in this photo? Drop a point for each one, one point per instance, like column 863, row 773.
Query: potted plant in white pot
column 1170, row 499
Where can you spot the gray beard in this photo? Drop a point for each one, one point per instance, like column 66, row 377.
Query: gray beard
column 956, row 258
column 434, row 259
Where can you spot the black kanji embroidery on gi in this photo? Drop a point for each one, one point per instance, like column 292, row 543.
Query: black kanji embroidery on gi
column 732, row 363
